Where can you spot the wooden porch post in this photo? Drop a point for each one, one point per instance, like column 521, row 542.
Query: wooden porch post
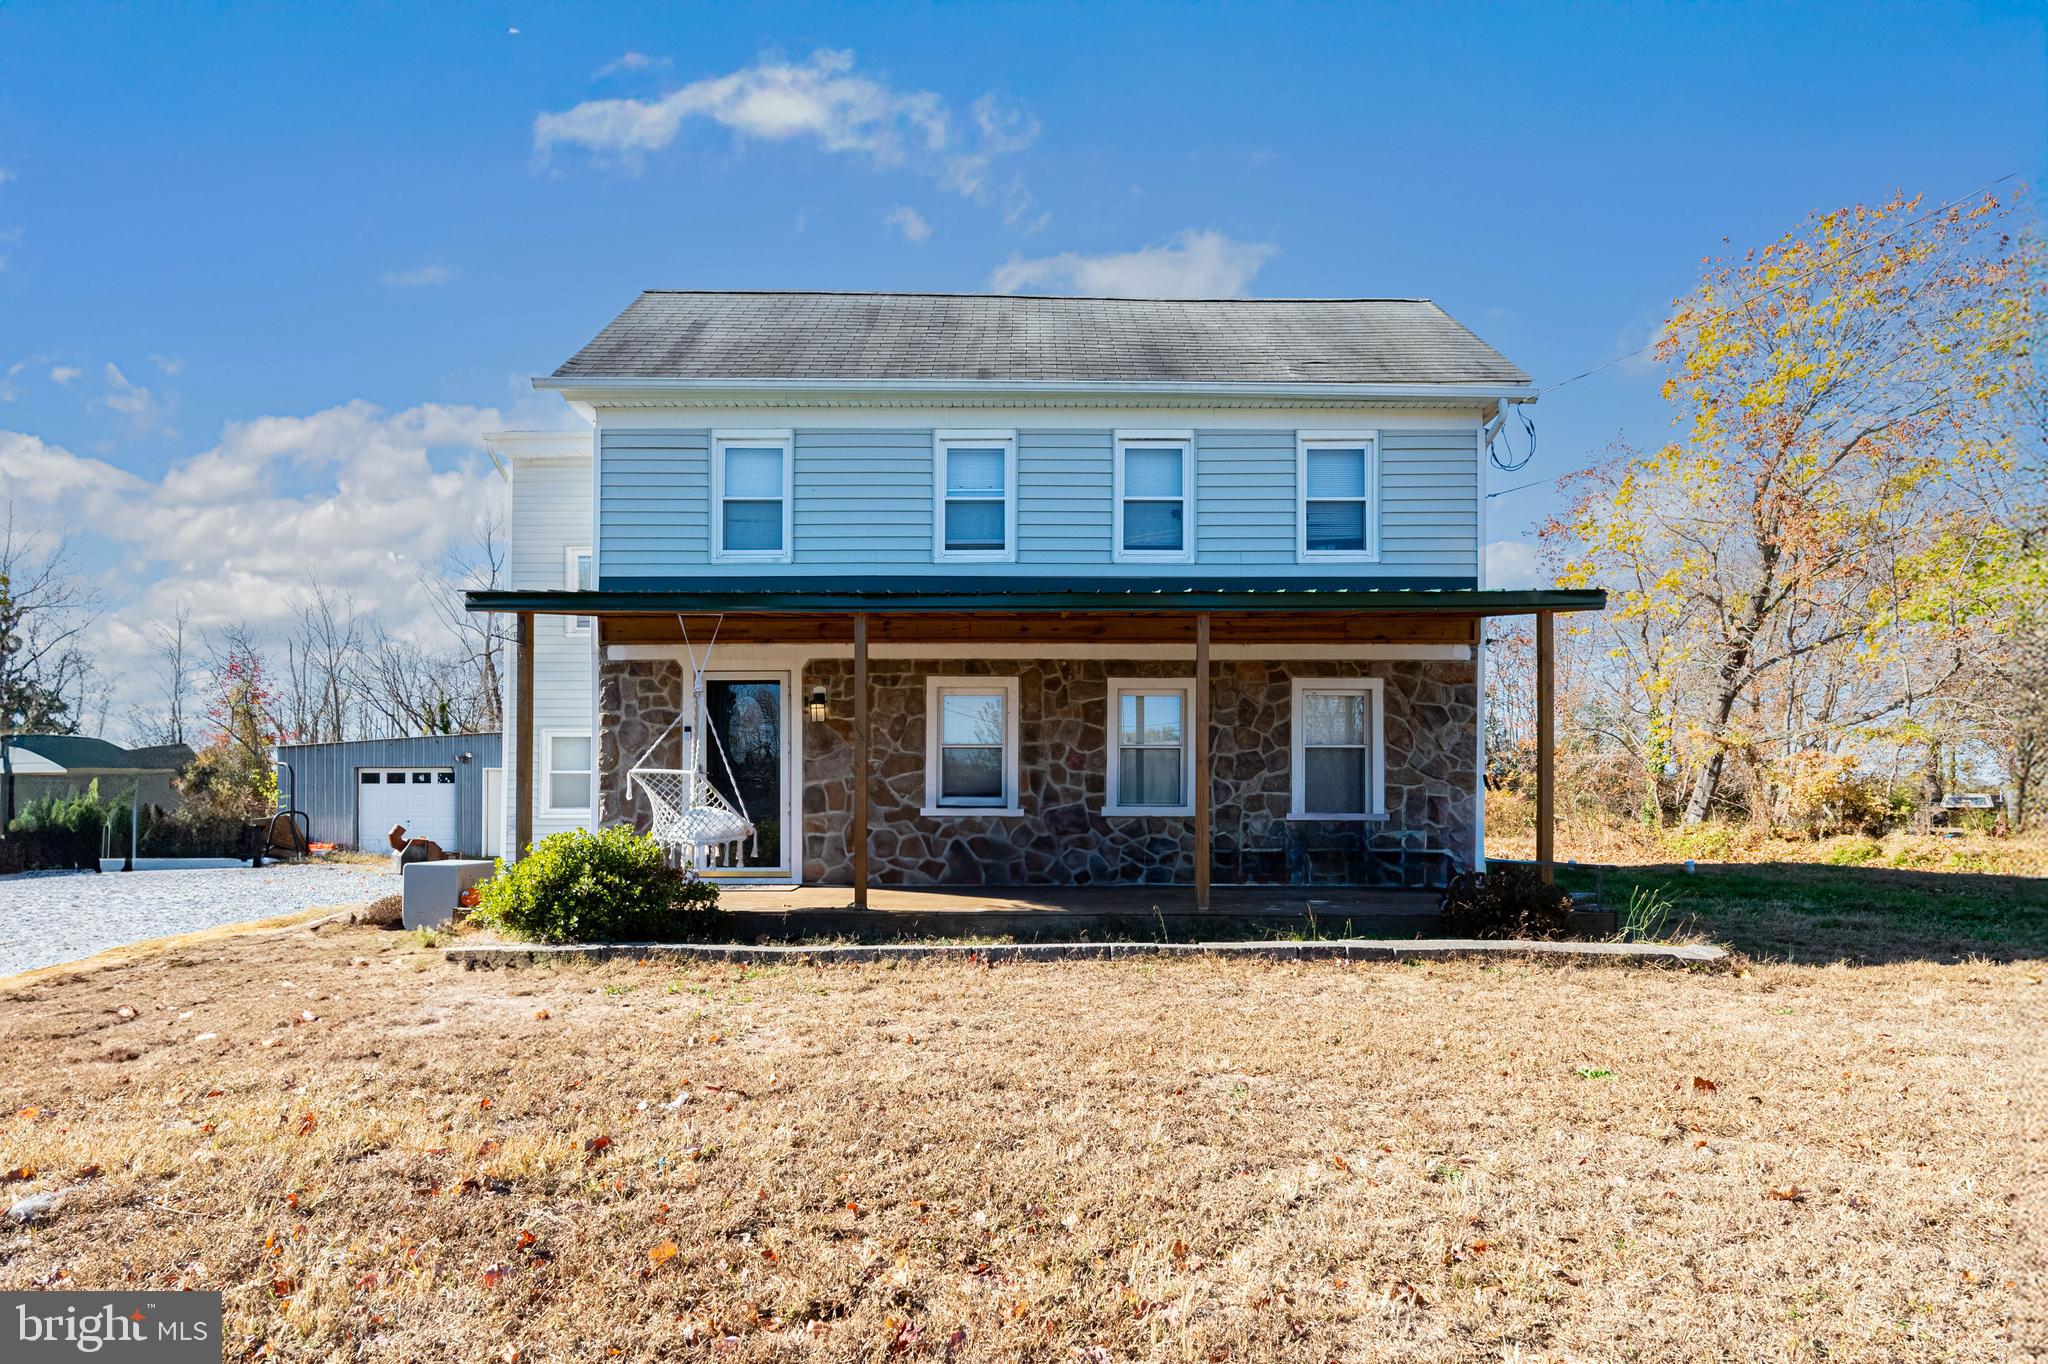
column 522, row 741
column 1546, row 748
column 860, row 760
column 1201, row 772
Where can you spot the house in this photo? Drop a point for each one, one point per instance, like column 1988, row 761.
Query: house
column 447, row 787
column 1019, row 591
column 39, row 765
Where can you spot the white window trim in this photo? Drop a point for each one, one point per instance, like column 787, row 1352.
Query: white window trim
column 1375, row 689
column 941, row 442
column 1112, row 803
column 576, row 627
column 933, row 688
column 1304, row 441
column 782, row 438
column 1126, row 440
column 547, row 770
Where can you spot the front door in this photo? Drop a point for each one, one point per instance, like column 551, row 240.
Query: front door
column 749, row 758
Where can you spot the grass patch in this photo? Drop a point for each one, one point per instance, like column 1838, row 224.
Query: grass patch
column 376, row 1154
column 1830, row 913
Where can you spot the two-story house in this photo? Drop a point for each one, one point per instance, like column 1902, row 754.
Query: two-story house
column 1018, row 591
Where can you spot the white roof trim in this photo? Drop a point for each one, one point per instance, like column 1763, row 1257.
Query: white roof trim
column 1007, row 392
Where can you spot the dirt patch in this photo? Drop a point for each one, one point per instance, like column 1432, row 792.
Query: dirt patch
column 377, row 1155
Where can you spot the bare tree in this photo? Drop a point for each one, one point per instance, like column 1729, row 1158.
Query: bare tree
column 479, row 642
column 167, row 722
column 322, row 662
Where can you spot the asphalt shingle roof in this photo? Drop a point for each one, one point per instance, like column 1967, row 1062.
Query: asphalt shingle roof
column 74, row 752
column 679, row 334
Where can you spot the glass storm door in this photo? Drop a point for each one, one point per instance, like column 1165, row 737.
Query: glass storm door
column 749, row 719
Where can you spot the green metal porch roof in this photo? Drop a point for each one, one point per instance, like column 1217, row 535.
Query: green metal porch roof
column 788, row 595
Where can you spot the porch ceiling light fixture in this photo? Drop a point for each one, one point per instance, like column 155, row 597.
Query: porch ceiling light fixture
column 817, row 705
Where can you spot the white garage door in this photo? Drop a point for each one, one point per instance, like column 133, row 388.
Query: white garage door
column 420, row 798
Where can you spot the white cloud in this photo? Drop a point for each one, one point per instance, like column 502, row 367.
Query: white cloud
column 822, row 100
column 1191, row 265
column 1513, row 564
column 909, row 222
column 628, row 63
column 378, row 497
column 138, row 404
column 419, row 277
column 170, row 365
column 64, row 374
column 5, row 175
column 10, row 237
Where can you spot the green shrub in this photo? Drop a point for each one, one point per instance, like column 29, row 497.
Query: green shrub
column 84, row 813
column 1506, row 900
column 610, row 886
column 1713, row 842
column 1853, row 852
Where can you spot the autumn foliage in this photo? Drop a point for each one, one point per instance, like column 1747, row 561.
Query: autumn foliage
column 1815, row 574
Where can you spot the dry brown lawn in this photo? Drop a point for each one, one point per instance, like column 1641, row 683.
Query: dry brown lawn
column 379, row 1156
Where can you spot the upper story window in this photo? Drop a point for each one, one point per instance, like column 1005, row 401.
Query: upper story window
column 970, row 745
column 1155, row 502
column 1148, row 759
column 750, row 478
column 1336, row 481
column 975, row 485
column 1339, row 754
column 578, row 575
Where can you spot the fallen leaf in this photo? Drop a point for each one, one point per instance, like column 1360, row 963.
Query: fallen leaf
column 1791, row 1193
column 1702, row 1085
column 1400, row 1290
column 307, row 1124
column 598, row 1144
column 663, row 1253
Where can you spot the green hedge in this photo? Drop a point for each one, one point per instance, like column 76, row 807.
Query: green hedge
column 610, row 886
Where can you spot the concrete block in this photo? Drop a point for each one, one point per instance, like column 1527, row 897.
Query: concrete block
column 432, row 888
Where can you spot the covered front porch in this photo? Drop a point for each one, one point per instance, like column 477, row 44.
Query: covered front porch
column 1296, row 753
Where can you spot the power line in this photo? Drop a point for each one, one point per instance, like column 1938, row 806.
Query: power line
column 1771, row 288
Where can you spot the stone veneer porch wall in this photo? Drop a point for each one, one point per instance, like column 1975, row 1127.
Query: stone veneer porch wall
column 1063, row 838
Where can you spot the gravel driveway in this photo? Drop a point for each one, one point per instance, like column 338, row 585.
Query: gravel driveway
column 52, row 916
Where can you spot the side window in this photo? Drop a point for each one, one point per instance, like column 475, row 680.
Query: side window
column 565, row 778
column 1337, row 494
column 1155, row 496
column 971, row 745
column 750, row 489
column 578, row 576
column 974, row 482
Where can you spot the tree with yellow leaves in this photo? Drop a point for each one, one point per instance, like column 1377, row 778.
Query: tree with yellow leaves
column 1809, row 558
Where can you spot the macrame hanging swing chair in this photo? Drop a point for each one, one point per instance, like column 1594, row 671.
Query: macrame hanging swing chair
column 693, row 821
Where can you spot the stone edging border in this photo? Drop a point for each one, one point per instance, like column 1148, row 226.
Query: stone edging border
column 1420, row 949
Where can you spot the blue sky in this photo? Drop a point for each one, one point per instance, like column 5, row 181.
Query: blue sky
column 268, row 269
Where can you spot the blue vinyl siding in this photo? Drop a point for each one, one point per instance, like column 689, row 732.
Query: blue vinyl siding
column 863, row 497
column 1064, row 480
column 863, row 503
column 654, row 501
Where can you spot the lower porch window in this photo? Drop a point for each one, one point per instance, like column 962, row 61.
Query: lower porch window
column 1148, row 743
column 971, row 745
column 1339, row 756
